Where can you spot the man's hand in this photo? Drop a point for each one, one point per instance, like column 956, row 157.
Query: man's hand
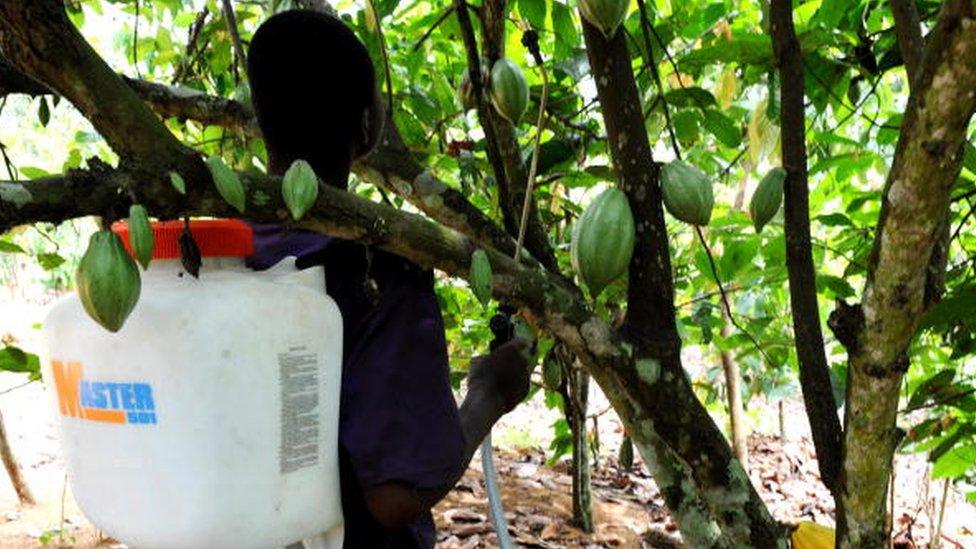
column 503, row 375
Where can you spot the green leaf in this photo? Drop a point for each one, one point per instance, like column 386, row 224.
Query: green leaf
column 50, row 261
column 44, row 112
column 723, row 128
column 831, row 12
column 750, row 48
column 30, row 172
column 692, row 96
column 8, row 247
column 955, row 308
column 838, row 287
column 736, row 255
column 567, row 36
column 177, row 181
column 686, row 126
column 969, row 157
column 12, row 359
column 835, row 219
column 950, row 441
column 534, row 11
column 931, row 386
column 955, row 462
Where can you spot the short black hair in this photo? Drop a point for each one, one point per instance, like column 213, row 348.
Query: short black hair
column 313, row 86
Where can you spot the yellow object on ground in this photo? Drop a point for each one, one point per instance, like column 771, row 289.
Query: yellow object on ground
column 810, row 535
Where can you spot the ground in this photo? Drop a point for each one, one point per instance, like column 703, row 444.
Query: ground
column 628, row 510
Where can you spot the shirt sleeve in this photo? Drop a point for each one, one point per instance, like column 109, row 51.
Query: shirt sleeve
column 272, row 243
column 398, row 419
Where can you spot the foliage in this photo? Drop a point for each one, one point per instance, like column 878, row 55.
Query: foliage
column 716, row 63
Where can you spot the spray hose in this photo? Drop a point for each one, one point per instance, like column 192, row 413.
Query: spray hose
column 501, row 324
column 503, row 330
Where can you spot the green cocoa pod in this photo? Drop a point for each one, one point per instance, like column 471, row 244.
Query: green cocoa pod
column 523, row 330
column 687, row 193
column 509, row 90
column 552, row 371
column 625, row 457
column 228, row 184
column 603, row 240
column 299, row 188
column 177, row 181
column 480, row 277
column 108, row 281
column 466, row 88
column 141, row 235
column 767, row 198
column 606, row 15
column 242, row 94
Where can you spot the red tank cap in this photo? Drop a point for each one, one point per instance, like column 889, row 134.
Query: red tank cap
column 214, row 237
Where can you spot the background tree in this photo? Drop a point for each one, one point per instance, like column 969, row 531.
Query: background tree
column 874, row 101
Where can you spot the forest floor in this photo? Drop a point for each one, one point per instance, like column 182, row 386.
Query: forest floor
column 627, row 508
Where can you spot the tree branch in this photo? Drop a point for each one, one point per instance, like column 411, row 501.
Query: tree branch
column 502, row 145
column 240, row 59
column 908, row 31
column 818, row 395
column 391, row 166
column 915, row 202
column 188, row 104
column 39, row 40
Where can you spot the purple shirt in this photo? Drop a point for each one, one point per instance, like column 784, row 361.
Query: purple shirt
column 398, row 419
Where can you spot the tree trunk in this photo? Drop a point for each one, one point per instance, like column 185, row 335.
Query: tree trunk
column 784, row 434
column 878, row 333
column 818, row 394
column 13, row 468
column 579, row 388
column 733, row 392
column 655, row 398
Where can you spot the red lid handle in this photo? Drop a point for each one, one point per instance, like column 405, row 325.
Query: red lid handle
column 214, row 237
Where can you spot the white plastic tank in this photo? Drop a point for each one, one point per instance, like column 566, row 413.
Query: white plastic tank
column 211, row 418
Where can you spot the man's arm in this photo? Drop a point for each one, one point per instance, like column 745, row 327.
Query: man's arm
column 496, row 384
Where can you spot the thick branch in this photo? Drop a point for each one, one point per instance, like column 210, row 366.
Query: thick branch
column 391, row 165
column 240, row 58
column 14, row 81
column 908, row 31
column 132, row 130
column 915, row 203
column 818, row 394
column 38, row 39
column 650, row 322
column 188, row 104
column 394, row 167
column 917, row 191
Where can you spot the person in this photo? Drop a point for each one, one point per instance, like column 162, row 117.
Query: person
column 404, row 443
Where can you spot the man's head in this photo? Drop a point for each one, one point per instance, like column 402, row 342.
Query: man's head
column 314, row 92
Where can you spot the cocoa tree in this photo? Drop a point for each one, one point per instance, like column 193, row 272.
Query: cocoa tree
column 649, row 106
